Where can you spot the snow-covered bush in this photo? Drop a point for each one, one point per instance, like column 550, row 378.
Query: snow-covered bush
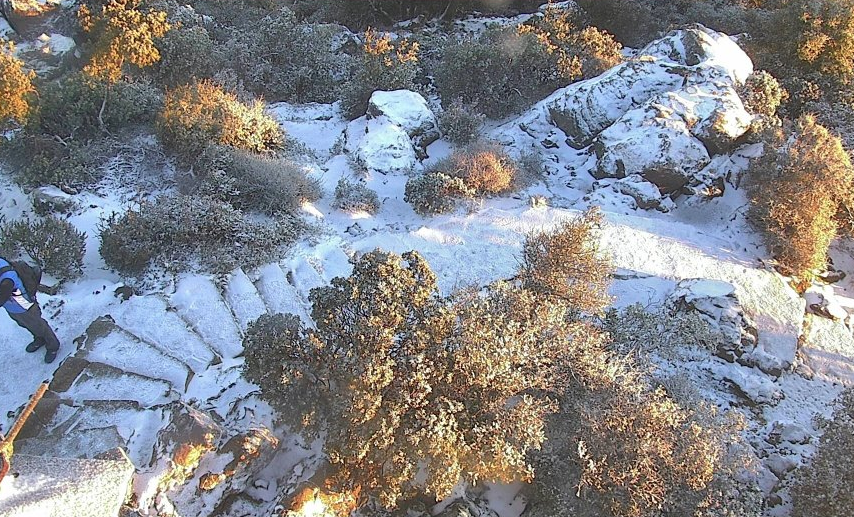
column 435, row 193
column 823, row 488
column 177, row 231
column 200, row 114
column 267, row 184
column 41, row 160
column 566, row 263
column 384, row 64
column 461, row 123
column 55, row 244
column 284, row 59
column 762, row 93
column 444, row 386
column 480, row 169
column 186, row 54
column 798, row 189
column 71, row 106
column 355, row 197
column 506, row 69
column 637, row 328
column 622, row 448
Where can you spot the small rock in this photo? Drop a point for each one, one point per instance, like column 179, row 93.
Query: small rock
column 47, row 200
column 773, row 500
column 781, row 465
column 645, row 194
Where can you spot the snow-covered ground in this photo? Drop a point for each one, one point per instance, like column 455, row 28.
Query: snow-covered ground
column 138, row 373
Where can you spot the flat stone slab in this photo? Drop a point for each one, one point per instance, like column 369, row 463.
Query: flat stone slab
column 68, row 487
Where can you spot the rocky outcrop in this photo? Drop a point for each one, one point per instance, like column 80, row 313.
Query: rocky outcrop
column 717, row 304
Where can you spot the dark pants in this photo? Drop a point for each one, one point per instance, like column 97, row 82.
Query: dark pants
column 32, row 320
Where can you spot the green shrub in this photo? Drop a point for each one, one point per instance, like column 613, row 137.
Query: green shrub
column 41, row 160
column 383, row 65
column 480, row 169
column 355, row 197
column 186, row 54
column 287, row 60
column 822, row 487
column 177, row 231
column 461, row 123
column 816, row 35
column 54, row 244
column 507, row 69
column 198, row 115
column 762, row 93
column 435, row 193
column 16, row 87
column 70, row 106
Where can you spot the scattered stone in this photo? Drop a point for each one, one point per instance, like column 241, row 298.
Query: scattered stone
column 645, row 194
column 756, row 389
column 781, row 465
column 788, row 432
column 716, row 302
column 48, row 200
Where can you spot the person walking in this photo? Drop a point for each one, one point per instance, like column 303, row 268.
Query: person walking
column 21, row 305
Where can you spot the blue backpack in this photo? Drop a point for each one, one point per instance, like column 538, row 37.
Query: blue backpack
column 30, row 276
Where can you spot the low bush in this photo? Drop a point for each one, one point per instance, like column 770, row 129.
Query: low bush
column 284, row 59
column 461, row 123
column 384, row 64
column 435, row 193
column 178, row 231
column 187, row 54
column 762, row 93
column 480, row 169
column 355, row 197
column 200, row 114
column 54, row 244
column 40, row 160
column 799, row 189
column 822, row 487
column 566, row 263
column 507, row 69
column 71, row 106
column 251, row 182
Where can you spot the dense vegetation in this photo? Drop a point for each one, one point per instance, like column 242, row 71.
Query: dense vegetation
column 414, row 390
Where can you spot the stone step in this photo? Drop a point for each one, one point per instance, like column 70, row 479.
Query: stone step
column 279, row 295
column 107, row 343
column 94, row 426
column 79, row 380
column 149, row 318
column 46, row 486
column 243, row 298
column 200, row 304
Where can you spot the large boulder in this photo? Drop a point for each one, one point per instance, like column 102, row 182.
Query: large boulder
column 582, row 110
column 653, row 142
column 409, row 111
column 698, row 46
column 380, row 145
column 693, row 56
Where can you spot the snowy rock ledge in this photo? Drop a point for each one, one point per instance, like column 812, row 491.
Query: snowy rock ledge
column 379, row 145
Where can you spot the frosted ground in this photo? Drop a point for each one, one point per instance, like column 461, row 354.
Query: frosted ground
column 129, row 369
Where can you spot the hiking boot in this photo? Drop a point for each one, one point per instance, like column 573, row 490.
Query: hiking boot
column 50, row 356
column 35, row 345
